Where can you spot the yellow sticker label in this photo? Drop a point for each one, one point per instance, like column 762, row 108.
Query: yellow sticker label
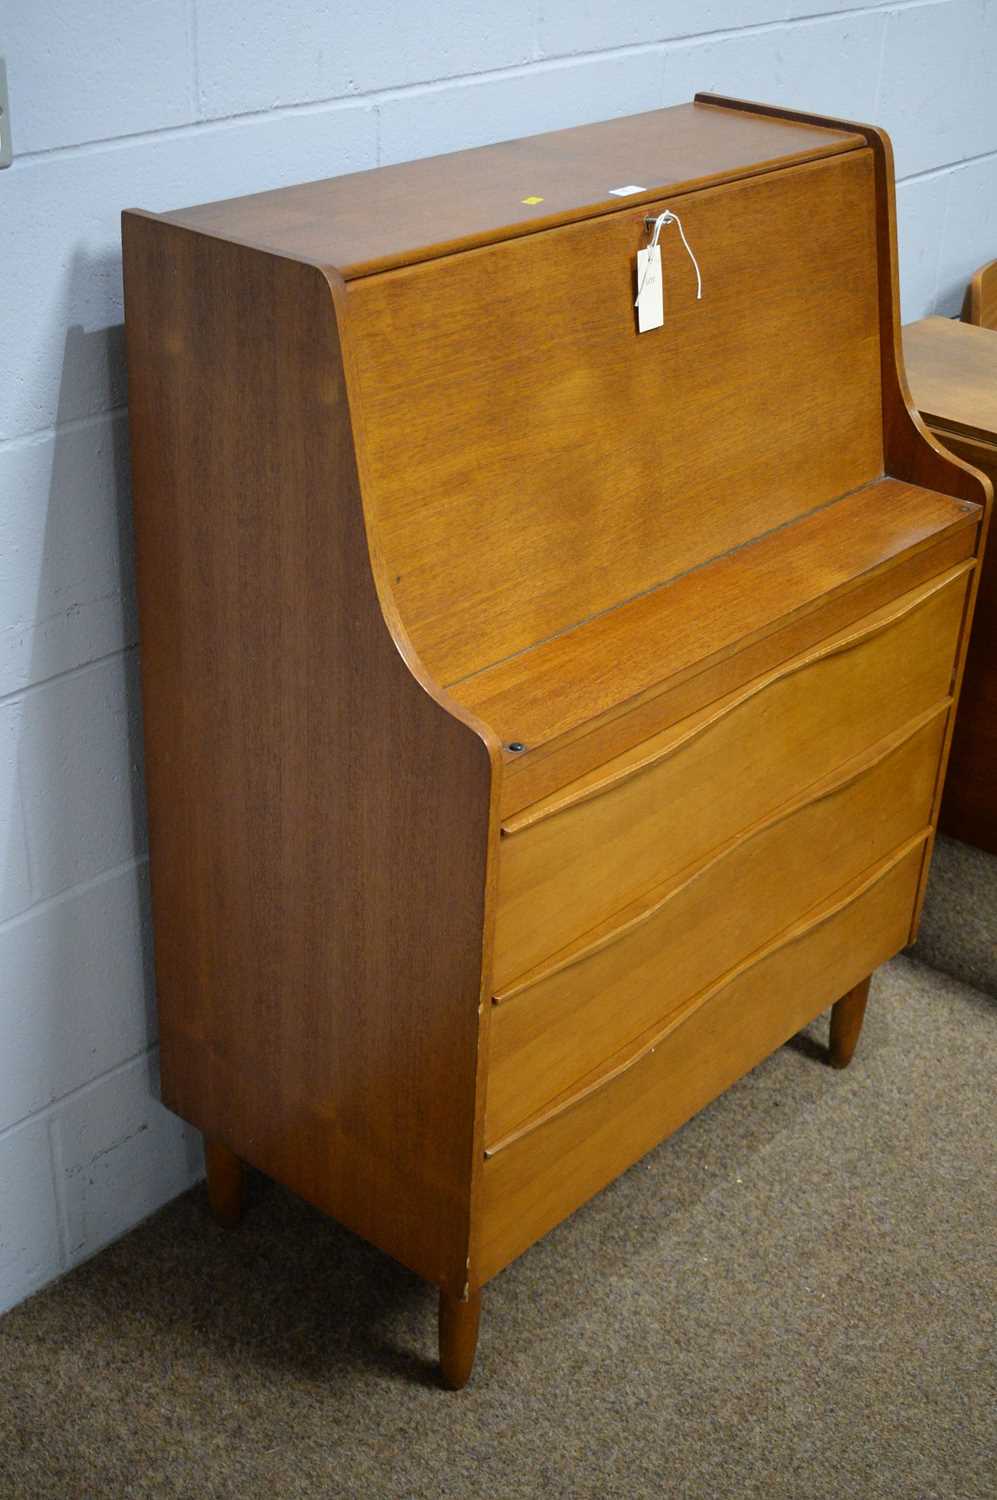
column 531, row 200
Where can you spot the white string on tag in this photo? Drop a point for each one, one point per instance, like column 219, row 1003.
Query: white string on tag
column 659, row 223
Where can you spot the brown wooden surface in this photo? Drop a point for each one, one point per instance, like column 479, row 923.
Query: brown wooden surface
column 369, row 221
column 571, row 862
column 910, row 449
column 388, row 523
column 319, row 824
column 458, row 1320
column 546, row 1172
column 969, row 806
column 847, row 1015
column 534, row 435
column 952, row 370
column 226, row 1175
column 911, row 452
column 980, row 303
column 618, row 981
column 543, row 771
column 697, row 622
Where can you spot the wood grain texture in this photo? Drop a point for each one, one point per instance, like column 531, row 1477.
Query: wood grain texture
column 910, row 450
column 396, row 516
column 543, row 770
column 847, row 1015
column 366, row 222
column 695, row 625
column 584, row 854
column 952, row 370
column 226, row 1175
column 546, row 1172
column 533, row 435
column 459, row 1318
column 562, row 1022
column 980, row 303
column 319, row 823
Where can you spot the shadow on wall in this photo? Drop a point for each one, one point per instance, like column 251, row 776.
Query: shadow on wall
column 81, row 987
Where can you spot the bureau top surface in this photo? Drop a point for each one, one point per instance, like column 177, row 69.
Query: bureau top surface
column 365, row 222
column 952, row 371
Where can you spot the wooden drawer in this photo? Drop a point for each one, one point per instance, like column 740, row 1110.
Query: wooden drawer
column 537, row 1177
column 565, row 1024
column 573, row 860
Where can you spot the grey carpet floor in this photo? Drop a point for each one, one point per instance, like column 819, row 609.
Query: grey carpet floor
column 794, row 1296
column 959, row 925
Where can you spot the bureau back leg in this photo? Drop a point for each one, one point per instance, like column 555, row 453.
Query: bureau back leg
column 226, row 1182
column 846, row 1023
column 458, row 1337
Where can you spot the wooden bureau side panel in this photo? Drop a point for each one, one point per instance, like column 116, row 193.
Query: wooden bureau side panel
column 554, row 462
column 571, row 1020
column 540, row 1177
column 969, row 805
column 319, row 824
column 561, row 875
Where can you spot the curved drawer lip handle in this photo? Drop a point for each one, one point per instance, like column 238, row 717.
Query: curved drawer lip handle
column 827, row 786
column 529, row 817
column 786, row 939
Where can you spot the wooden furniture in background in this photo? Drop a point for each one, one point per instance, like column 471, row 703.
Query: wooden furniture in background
column 952, row 368
column 980, row 302
column 544, row 720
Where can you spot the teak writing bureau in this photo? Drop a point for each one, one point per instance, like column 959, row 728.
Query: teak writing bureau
column 544, row 719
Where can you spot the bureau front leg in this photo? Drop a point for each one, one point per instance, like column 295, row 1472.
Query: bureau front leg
column 847, row 1015
column 459, row 1318
column 226, row 1182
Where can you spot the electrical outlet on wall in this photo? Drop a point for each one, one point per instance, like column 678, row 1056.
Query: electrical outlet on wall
column 6, row 151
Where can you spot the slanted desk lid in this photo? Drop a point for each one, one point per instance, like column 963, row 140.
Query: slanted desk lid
column 372, row 221
column 952, row 372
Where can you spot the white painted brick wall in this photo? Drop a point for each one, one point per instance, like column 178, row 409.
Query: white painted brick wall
column 182, row 101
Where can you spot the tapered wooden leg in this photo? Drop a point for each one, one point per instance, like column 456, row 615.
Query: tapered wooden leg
column 458, row 1337
column 846, row 1023
column 226, row 1182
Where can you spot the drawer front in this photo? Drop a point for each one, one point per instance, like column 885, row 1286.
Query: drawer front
column 539, row 1177
column 570, row 1022
column 568, row 871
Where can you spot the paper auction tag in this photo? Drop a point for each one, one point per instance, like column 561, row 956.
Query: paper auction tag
column 650, row 302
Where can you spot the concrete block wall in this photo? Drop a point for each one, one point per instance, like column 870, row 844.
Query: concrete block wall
column 187, row 100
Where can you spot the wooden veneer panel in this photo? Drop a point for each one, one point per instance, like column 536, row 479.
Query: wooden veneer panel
column 537, row 1177
column 553, row 463
column 364, row 222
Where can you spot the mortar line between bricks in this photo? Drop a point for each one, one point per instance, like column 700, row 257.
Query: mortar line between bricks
column 57, row 1163
column 39, row 435
column 20, row 918
column 950, row 166
column 83, row 666
column 940, row 241
column 880, row 67
column 374, row 97
column 48, row 1111
column 195, row 62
